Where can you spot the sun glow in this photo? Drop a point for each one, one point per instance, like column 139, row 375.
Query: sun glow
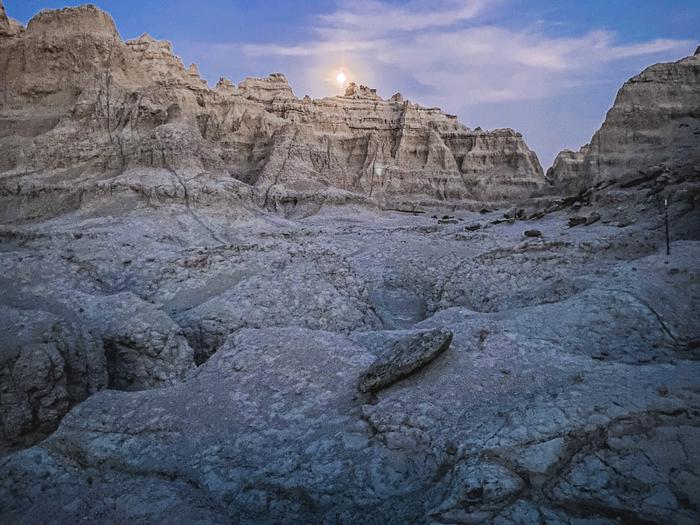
column 340, row 78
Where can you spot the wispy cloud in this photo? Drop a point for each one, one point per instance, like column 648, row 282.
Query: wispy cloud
column 430, row 45
column 368, row 16
column 311, row 49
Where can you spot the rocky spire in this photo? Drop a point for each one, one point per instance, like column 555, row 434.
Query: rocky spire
column 353, row 90
column 8, row 26
column 224, row 85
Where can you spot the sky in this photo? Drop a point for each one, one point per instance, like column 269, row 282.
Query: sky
column 549, row 69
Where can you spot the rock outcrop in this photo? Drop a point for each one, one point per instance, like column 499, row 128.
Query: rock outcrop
column 47, row 365
column 567, row 173
column 53, row 358
column 8, row 26
column 79, row 109
column 655, row 121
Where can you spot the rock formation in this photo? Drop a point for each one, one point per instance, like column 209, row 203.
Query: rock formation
column 655, row 121
column 8, row 26
column 567, row 173
column 170, row 346
column 514, row 420
column 82, row 109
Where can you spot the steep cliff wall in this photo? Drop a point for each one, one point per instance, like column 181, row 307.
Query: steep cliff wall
column 654, row 123
column 79, row 106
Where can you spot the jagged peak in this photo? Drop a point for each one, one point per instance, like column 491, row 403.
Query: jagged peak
column 361, row 91
column 567, row 152
column 146, row 41
column 145, row 37
column 225, row 85
column 8, row 26
column 82, row 19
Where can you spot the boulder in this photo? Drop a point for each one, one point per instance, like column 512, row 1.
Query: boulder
column 404, row 357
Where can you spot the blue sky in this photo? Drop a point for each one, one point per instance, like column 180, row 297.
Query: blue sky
column 549, row 69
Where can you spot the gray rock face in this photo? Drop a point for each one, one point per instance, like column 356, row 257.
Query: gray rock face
column 46, row 366
column 143, row 347
column 60, row 348
column 403, row 357
column 514, row 420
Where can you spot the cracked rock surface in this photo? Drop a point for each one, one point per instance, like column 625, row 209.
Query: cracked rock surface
column 569, row 393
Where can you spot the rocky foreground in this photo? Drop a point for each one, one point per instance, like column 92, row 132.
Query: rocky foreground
column 569, row 392
column 192, row 329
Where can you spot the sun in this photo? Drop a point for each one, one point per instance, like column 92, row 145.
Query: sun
column 340, row 78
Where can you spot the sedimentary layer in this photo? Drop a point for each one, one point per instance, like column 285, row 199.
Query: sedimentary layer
column 80, row 108
column 654, row 125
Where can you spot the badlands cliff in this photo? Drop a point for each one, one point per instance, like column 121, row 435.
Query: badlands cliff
column 516, row 349
column 653, row 124
column 92, row 114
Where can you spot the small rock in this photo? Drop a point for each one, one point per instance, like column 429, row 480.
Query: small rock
column 472, row 227
column 514, row 213
column 577, row 221
column 533, row 233
column 592, row 218
column 404, row 357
